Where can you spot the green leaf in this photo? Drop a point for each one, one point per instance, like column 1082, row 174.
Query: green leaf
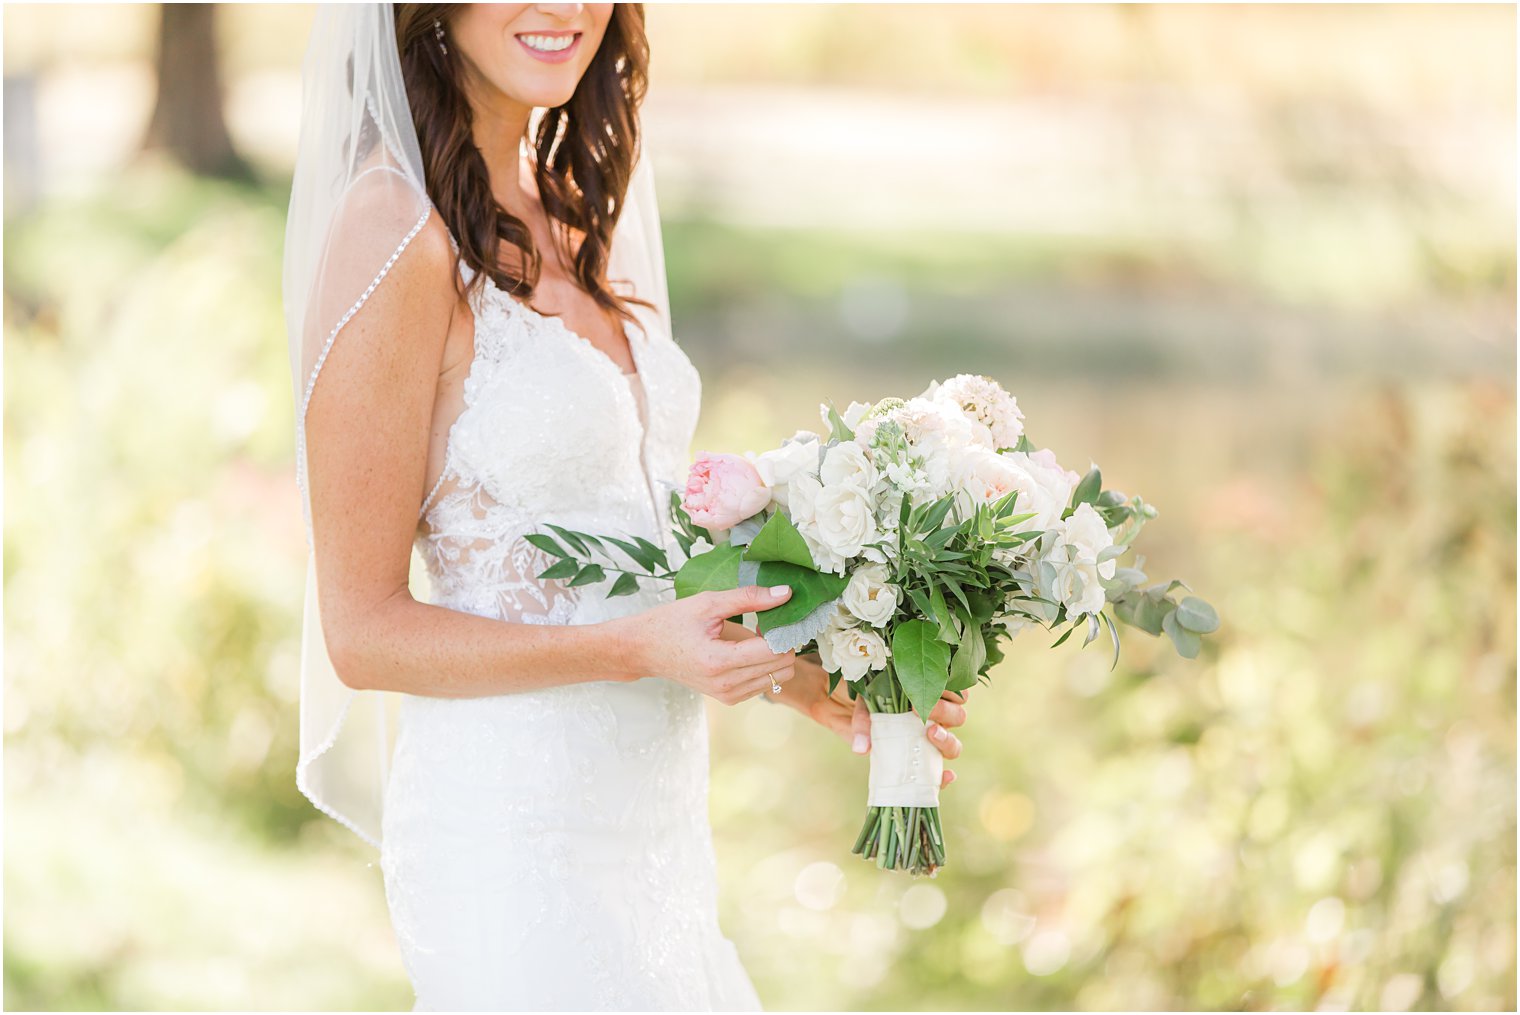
column 833, row 682
column 1186, row 642
column 940, row 613
column 954, row 588
column 1088, row 489
column 1063, row 637
column 546, row 544
column 588, row 574
column 779, row 540
column 937, row 513
column 564, row 568
column 571, row 538
column 626, row 585
column 920, row 600
column 939, row 537
column 654, row 551
column 1197, row 616
column 810, row 590
column 983, row 606
column 635, row 552
column 715, row 570
column 1023, row 444
column 967, row 662
column 922, row 663
column 838, row 430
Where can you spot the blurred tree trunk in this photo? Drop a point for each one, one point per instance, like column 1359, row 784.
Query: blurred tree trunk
column 187, row 118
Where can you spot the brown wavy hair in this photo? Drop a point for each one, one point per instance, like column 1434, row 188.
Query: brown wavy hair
column 585, row 152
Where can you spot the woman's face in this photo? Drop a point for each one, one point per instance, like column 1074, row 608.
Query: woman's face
column 534, row 54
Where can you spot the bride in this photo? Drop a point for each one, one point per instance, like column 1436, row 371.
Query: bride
column 483, row 297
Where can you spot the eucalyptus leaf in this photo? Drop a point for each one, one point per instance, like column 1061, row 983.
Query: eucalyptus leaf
column 1186, row 642
column 1197, row 616
column 1113, row 632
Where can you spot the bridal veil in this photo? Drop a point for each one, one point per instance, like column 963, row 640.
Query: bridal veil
column 358, row 198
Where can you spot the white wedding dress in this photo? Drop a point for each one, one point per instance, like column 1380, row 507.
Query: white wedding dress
column 550, row 849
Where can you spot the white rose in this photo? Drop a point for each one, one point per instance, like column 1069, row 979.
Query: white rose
column 982, row 476
column 1077, row 585
column 847, row 463
column 855, row 413
column 844, row 519
column 803, row 493
column 870, row 597
column 1044, row 487
column 851, row 416
column 780, row 466
column 1087, row 531
column 854, row 651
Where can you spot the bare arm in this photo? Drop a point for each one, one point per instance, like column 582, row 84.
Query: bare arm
column 368, row 425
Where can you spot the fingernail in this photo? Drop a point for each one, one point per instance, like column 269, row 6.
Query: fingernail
column 779, row 591
column 937, row 732
column 861, row 743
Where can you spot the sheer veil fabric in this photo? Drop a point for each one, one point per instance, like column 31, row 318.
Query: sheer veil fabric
column 357, row 201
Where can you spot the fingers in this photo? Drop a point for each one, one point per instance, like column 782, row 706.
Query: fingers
column 749, row 599
column 860, row 728
column 946, row 779
column 751, row 681
column 959, row 697
column 755, row 652
column 946, row 742
column 948, row 713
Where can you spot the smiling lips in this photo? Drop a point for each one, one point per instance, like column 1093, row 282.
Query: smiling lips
column 550, row 47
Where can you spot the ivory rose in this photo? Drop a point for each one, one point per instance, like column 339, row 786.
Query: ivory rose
column 723, row 490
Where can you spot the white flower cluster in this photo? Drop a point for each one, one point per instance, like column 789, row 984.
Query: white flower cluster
column 844, row 497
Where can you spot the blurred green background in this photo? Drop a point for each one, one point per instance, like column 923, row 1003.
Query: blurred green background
column 1259, row 262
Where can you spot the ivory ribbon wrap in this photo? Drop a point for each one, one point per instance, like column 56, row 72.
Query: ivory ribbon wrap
column 905, row 766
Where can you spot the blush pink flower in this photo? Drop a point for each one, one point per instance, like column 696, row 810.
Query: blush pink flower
column 723, row 490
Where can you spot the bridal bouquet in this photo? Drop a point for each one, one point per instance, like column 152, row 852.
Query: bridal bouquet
column 917, row 537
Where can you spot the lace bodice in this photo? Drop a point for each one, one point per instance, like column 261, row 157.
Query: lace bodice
column 549, row 849
column 552, row 430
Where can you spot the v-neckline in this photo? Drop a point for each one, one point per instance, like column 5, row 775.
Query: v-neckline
column 592, row 347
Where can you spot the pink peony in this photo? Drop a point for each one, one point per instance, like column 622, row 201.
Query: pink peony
column 723, row 490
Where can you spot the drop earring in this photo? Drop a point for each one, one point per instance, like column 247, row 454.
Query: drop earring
column 438, row 34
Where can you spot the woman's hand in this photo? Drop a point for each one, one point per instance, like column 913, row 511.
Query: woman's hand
column 852, row 721
column 684, row 641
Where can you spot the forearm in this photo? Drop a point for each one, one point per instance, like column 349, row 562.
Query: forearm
column 418, row 648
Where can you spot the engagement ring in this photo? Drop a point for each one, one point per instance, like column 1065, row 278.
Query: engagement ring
column 775, row 687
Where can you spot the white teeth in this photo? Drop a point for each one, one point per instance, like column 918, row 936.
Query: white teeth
column 548, row 43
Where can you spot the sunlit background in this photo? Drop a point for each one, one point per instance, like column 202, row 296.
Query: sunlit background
column 1259, row 262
